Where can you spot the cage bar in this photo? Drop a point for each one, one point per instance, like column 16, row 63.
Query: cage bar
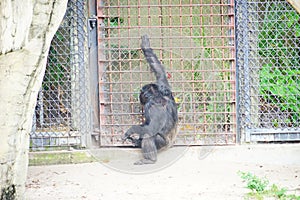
column 195, row 41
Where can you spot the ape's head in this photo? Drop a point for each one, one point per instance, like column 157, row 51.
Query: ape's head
column 147, row 92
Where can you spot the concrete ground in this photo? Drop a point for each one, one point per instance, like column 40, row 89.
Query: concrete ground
column 180, row 173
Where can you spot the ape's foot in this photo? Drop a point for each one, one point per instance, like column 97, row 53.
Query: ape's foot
column 144, row 161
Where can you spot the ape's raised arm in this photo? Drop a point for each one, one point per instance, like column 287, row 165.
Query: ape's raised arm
column 159, row 127
column 156, row 66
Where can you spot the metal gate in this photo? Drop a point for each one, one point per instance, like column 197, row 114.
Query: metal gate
column 195, row 40
column 268, row 55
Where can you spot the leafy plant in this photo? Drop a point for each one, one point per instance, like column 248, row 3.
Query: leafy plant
column 113, row 21
column 254, row 183
column 260, row 188
column 281, row 87
column 279, row 75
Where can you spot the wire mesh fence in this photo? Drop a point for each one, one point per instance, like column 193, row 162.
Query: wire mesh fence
column 61, row 116
column 269, row 70
column 210, row 49
column 194, row 40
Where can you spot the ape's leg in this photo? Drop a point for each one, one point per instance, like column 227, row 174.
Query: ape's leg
column 149, row 150
column 160, row 141
column 136, row 129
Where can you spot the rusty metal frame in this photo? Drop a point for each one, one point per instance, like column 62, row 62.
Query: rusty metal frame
column 195, row 41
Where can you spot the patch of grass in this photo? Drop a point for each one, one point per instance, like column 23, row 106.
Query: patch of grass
column 59, row 157
column 261, row 189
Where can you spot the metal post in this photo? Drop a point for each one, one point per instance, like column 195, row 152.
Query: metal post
column 243, row 70
column 83, row 123
column 93, row 68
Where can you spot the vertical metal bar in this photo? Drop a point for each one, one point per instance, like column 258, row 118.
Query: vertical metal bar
column 246, row 69
column 191, row 34
column 223, row 22
column 233, row 102
column 101, row 67
column 238, row 123
column 81, row 70
column 130, row 61
column 161, row 24
column 110, row 34
column 41, row 107
column 243, row 67
column 180, row 50
column 120, row 103
column 93, row 68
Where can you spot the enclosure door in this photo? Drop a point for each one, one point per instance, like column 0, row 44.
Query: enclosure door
column 194, row 40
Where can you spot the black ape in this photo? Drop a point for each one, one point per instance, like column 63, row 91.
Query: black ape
column 159, row 128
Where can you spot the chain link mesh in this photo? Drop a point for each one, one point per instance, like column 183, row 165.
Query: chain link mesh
column 269, row 68
column 196, row 43
column 61, row 111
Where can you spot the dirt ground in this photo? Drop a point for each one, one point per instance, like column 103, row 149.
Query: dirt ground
column 180, row 173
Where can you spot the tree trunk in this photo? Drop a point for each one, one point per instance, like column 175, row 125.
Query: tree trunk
column 295, row 4
column 26, row 30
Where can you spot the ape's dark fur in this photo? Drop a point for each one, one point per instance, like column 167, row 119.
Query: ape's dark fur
column 159, row 129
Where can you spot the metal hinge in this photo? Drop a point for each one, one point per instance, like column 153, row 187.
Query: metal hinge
column 92, row 26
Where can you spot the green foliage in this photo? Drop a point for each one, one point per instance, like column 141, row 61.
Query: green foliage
column 260, row 188
column 58, row 68
column 279, row 75
column 281, row 85
column 113, row 21
column 277, row 36
column 278, row 192
column 254, row 183
column 55, row 71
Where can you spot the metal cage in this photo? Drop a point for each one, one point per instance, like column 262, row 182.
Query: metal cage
column 195, row 40
column 233, row 67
